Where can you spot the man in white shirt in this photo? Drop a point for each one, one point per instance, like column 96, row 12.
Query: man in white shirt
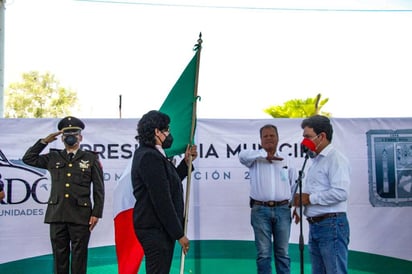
column 271, row 177
column 325, row 195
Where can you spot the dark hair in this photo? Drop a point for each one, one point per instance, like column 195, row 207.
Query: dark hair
column 268, row 126
column 319, row 124
column 147, row 125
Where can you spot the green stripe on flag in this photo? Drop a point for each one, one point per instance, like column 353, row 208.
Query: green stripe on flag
column 179, row 106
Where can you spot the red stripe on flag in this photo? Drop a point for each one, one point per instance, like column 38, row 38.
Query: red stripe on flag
column 128, row 249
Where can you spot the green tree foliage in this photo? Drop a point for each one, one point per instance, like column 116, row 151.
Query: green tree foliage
column 38, row 96
column 298, row 108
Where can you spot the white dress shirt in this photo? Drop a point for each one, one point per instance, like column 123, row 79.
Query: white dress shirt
column 269, row 181
column 327, row 182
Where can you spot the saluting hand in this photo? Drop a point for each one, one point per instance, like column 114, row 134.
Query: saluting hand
column 272, row 157
column 52, row 137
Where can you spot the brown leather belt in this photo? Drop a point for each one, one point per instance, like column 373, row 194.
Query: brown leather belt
column 269, row 203
column 317, row 219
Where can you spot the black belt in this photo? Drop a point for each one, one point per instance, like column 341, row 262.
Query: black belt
column 269, row 203
column 317, row 219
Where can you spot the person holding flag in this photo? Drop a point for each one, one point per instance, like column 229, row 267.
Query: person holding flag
column 158, row 215
column 180, row 106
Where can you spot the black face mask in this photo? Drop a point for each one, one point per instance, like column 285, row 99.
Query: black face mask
column 168, row 141
column 70, row 140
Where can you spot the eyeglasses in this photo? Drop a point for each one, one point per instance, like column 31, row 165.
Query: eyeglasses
column 166, row 130
column 313, row 138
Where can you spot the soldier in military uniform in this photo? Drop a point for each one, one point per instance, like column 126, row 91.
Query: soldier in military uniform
column 72, row 211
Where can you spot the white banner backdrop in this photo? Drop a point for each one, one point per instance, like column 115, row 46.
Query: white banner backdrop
column 380, row 151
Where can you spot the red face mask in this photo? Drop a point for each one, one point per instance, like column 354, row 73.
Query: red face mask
column 309, row 147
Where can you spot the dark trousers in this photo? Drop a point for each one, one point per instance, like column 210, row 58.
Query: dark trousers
column 158, row 250
column 69, row 238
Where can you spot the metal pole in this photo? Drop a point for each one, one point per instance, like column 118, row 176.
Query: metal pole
column 120, row 106
column 198, row 47
column 301, row 240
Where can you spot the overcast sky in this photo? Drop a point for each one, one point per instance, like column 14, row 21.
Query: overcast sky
column 255, row 53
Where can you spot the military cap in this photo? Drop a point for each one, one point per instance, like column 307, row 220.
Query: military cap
column 70, row 123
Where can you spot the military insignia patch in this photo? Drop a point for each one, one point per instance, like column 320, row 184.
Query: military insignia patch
column 84, row 164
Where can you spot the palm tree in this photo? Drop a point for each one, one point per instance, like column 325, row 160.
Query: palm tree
column 298, row 108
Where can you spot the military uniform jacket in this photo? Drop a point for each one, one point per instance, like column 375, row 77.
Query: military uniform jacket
column 158, row 189
column 71, row 184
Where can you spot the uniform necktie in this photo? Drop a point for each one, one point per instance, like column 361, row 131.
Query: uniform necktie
column 71, row 154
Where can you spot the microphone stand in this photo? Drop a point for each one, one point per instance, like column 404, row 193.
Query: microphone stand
column 299, row 185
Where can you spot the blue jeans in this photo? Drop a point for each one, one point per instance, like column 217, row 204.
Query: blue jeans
column 268, row 223
column 328, row 245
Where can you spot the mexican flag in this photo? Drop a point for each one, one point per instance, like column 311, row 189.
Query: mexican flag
column 180, row 105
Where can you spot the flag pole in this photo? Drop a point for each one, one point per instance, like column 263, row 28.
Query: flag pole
column 120, row 106
column 198, row 48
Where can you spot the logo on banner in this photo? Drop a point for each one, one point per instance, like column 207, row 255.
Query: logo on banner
column 23, row 185
column 390, row 167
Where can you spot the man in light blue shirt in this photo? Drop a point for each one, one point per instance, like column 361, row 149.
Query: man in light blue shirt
column 271, row 177
column 325, row 196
